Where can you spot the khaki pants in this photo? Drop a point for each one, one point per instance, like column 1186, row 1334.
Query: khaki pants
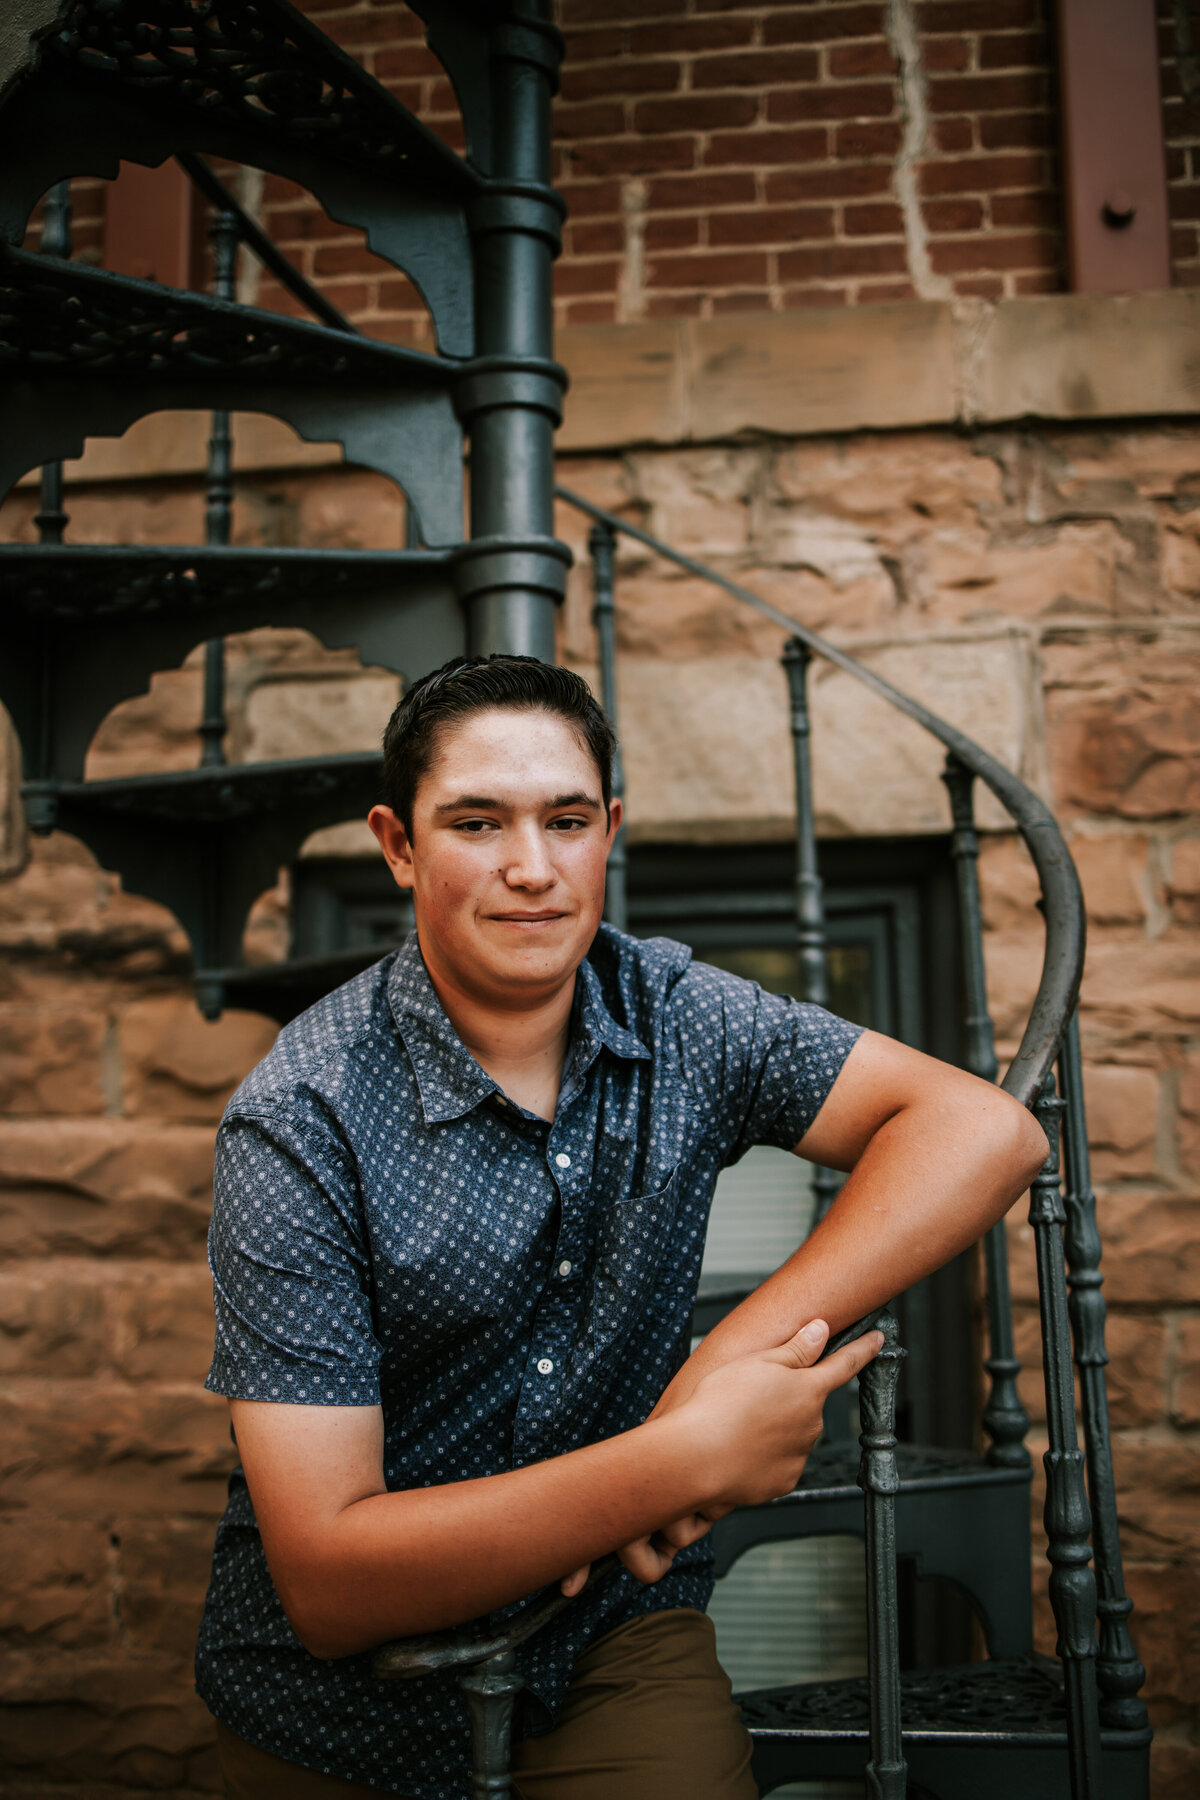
column 647, row 1717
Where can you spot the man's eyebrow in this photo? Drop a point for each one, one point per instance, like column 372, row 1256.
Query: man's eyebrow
column 486, row 803
column 470, row 803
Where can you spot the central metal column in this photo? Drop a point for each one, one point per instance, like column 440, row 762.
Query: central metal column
column 512, row 572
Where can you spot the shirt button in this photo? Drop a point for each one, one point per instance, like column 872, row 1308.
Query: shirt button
column 564, row 1268
column 563, row 1160
column 545, row 1366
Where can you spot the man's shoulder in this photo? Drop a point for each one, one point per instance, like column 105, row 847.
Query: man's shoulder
column 322, row 1048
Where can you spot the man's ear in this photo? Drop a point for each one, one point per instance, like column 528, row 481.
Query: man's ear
column 393, row 840
column 615, row 814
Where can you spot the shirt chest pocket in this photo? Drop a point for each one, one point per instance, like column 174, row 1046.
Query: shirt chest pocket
column 630, row 1249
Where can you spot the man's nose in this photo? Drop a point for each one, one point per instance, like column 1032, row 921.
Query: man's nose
column 529, row 864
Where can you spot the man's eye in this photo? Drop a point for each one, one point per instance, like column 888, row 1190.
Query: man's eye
column 476, row 827
column 569, row 824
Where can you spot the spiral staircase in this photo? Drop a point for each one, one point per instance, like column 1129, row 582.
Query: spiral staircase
column 85, row 84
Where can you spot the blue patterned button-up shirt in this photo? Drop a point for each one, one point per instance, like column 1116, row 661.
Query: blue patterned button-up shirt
column 389, row 1229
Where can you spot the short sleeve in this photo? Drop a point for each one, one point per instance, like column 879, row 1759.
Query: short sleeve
column 291, row 1286
column 760, row 1065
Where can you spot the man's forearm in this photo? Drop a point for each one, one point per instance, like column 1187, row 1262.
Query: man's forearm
column 928, row 1183
column 392, row 1564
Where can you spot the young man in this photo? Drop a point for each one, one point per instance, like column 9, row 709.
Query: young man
column 459, row 1216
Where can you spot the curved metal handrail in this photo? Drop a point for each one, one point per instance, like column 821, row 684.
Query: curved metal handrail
column 1062, row 962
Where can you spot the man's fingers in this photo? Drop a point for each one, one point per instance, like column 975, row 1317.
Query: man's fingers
column 851, row 1358
column 645, row 1561
column 688, row 1530
column 573, row 1584
column 802, row 1351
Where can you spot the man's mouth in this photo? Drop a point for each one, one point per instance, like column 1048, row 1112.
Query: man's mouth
column 527, row 918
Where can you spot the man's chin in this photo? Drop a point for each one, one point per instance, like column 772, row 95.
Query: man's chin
column 529, row 957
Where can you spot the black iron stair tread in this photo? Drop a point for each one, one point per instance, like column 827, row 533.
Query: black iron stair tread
column 832, row 1468
column 266, row 70
column 69, row 582
column 284, row 989
column 219, row 795
column 62, row 317
column 1017, row 1701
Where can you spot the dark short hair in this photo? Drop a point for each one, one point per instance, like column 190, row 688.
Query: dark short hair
column 467, row 685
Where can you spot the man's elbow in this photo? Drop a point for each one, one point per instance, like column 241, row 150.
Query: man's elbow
column 311, row 1622
column 322, row 1639
column 312, row 1597
column 1019, row 1143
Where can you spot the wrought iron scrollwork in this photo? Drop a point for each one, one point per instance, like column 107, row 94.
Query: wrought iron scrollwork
column 985, row 1699
column 60, row 318
column 130, row 582
column 249, row 64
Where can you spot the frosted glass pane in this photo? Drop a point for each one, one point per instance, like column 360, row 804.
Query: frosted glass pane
column 793, row 1612
column 761, row 1213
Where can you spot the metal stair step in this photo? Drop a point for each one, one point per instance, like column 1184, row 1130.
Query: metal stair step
column 207, row 842
column 273, row 72
column 957, row 1517
column 60, row 317
column 86, row 352
column 282, row 990
column 213, row 584
column 988, row 1728
column 832, row 1470
column 100, row 620
column 260, row 85
column 196, row 798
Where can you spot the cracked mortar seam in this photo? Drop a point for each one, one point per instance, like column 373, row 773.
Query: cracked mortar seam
column 903, row 38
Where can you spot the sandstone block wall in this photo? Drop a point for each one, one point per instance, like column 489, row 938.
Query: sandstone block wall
column 1041, row 585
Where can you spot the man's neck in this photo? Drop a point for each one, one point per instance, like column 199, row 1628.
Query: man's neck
column 521, row 1046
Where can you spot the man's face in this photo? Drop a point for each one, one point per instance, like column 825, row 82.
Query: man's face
column 507, row 857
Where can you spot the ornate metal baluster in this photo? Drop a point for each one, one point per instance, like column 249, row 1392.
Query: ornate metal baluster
column 602, row 542
column 1118, row 1670
column 491, row 1691
column 810, row 906
column 41, row 808
column 1004, row 1418
column 51, row 519
column 878, row 1477
column 218, row 512
column 1067, row 1519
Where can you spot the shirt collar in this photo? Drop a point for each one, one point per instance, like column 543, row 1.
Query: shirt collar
column 594, row 1025
column 449, row 1080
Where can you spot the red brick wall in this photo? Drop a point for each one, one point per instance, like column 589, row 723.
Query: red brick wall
column 1179, row 45
column 740, row 156
column 760, row 145
column 737, row 155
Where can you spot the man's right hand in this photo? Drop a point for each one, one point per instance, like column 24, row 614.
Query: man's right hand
column 760, row 1415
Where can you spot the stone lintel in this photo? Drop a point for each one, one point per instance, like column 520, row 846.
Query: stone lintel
column 805, row 373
